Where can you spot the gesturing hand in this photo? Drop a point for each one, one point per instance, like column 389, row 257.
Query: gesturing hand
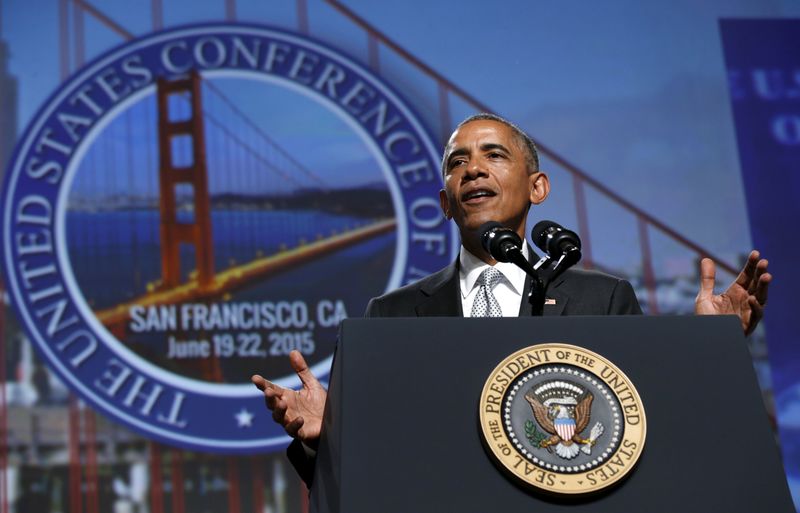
column 299, row 412
column 746, row 297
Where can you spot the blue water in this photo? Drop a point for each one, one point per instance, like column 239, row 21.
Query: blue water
column 116, row 254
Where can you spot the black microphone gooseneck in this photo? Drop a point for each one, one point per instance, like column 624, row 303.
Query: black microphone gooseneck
column 562, row 248
column 504, row 245
column 562, row 245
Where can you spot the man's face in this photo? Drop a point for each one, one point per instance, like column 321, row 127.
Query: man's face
column 486, row 178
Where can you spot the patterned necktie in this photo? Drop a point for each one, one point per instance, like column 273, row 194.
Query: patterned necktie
column 486, row 304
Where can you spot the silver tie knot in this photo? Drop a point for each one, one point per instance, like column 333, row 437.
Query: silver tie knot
column 486, row 305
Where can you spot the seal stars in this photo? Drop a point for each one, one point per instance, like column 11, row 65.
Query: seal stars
column 244, row 418
column 562, row 419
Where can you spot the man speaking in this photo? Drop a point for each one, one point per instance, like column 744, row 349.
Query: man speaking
column 491, row 173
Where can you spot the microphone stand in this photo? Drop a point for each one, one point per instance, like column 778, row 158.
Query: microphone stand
column 504, row 246
column 538, row 286
column 536, row 295
column 540, row 282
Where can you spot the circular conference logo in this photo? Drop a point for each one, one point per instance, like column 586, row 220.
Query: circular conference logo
column 562, row 419
column 197, row 203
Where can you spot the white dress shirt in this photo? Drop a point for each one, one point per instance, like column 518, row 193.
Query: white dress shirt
column 508, row 290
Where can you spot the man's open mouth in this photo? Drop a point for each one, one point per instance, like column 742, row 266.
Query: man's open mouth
column 477, row 194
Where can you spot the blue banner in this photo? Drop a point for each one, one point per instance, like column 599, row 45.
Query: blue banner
column 155, row 303
column 763, row 67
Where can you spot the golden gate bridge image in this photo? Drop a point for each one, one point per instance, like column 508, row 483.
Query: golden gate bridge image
column 249, row 159
column 184, row 198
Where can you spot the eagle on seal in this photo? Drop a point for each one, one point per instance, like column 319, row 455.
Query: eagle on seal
column 564, row 410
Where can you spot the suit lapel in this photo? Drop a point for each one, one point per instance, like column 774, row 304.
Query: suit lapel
column 525, row 309
column 555, row 307
column 441, row 295
column 558, row 297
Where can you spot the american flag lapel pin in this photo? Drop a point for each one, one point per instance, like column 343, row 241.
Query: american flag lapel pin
column 549, row 301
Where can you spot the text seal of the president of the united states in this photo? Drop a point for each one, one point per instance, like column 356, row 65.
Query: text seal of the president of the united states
column 562, row 419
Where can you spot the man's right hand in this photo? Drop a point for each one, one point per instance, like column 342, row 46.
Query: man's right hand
column 298, row 411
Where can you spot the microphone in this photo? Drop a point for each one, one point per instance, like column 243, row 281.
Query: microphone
column 504, row 245
column 500, row 242
column 561, row 244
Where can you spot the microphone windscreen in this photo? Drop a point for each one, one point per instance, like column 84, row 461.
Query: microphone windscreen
column 485, row 230
column 539, row 233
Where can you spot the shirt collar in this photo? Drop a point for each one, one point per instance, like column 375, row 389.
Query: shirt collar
column 471, row 267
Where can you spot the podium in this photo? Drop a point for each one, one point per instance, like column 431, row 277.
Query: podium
column 401, row 429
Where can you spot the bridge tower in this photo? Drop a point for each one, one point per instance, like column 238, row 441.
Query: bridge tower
column 174, row 231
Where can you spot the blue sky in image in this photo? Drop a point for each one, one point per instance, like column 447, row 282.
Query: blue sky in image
column 308, row 130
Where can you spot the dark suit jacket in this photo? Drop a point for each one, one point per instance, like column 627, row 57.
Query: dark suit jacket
column 576, row 292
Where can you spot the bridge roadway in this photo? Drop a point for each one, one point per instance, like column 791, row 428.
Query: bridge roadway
column 116, row 317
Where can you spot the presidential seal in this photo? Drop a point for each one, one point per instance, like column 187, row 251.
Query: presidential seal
column 562, row 419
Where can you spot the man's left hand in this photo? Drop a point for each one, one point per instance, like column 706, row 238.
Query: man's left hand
column 746, row 297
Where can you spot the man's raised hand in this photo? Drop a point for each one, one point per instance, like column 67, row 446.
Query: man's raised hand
column 298, row 411
column 746, row 297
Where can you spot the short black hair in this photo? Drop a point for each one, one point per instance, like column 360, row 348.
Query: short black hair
column 523, row 139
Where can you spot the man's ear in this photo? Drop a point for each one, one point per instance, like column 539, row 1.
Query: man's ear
column 540, row 187
column 445, row 204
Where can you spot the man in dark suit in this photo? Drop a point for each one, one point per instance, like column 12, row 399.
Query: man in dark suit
column 576, row 292
column 491, row 172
